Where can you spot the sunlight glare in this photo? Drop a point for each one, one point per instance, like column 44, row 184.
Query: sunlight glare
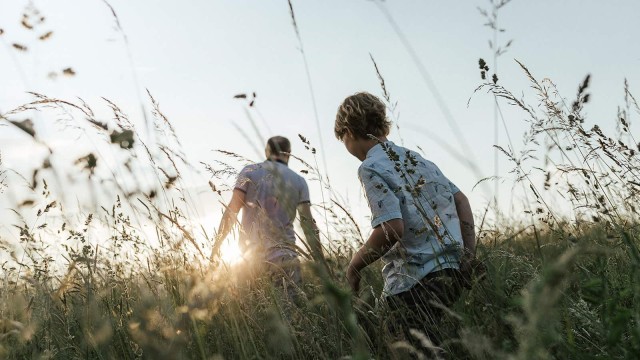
column 230, row 252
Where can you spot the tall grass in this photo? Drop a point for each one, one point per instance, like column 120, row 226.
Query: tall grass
column 563, row 287
column 562, row 284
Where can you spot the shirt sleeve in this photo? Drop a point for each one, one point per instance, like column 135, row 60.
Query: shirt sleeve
column 383, row 202
column 453, row 187
column 304, row 192
column 244, row 179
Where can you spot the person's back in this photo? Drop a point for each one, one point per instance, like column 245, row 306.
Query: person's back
column 272, row 193
column 400, row 183
column 269, row 195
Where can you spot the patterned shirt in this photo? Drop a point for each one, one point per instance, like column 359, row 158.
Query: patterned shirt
column 273, row 192
column 400, row 184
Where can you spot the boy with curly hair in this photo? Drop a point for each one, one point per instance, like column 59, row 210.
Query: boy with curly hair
column 423, row 228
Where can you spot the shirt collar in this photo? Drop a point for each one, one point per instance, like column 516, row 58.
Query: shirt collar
column 378, row 147
column 280, row 161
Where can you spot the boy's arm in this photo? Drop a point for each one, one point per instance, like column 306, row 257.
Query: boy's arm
column 380, row 241
column 229, row 218
column 386, row 220
column 467, row 226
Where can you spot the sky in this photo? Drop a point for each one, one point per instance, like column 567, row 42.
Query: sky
column 194, row 56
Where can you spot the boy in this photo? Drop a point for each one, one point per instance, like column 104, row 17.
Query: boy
column 422, row 223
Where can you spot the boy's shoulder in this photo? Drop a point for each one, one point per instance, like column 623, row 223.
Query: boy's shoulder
column 377, row 163
column 379, row 157
column 385, row 155
column 384, row 159
column 370, row 164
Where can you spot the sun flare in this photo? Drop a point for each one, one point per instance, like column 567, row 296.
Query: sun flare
column 230, row 252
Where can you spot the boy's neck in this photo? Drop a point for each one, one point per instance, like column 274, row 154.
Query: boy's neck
column 366, row 145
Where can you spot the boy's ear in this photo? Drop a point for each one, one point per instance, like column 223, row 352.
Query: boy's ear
column 349, row 133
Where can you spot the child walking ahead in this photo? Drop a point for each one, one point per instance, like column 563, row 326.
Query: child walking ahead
column 422, row 223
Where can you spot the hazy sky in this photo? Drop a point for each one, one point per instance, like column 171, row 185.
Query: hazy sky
column 195, row 55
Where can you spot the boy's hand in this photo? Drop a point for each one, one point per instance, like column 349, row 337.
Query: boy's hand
column 382, row 238
column 353, row 277
column 472, row 270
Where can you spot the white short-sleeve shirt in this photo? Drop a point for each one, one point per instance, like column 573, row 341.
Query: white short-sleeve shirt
column 400, row 184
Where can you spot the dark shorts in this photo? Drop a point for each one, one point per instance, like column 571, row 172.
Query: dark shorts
column 423, row 306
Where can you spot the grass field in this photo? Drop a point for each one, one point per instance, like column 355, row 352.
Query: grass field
column 547, row 295
column 559, row 286
column 561, row 282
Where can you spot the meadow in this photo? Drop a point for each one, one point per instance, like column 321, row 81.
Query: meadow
column 559, row 284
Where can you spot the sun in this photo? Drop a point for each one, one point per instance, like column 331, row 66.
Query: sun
column 230, row 252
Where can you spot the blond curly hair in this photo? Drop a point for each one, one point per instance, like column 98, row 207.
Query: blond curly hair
column 362, row 114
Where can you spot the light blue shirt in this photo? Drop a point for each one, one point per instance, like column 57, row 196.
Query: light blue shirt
column 400, row 184
column 272, row 193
